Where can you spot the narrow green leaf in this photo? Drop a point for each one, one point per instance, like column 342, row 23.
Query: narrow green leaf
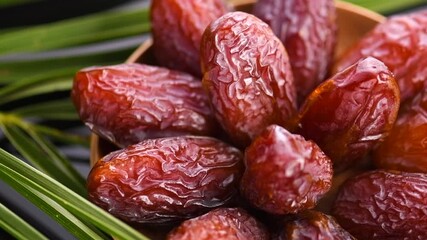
column 78, row 31
column 59, row 160
column 62, row 109
column 9, row 3
column 41, row 155
column 15, row 71
column 61, row 135
column 56, row 85
column 387, row 7
column 17, row 227
column 35, row 79
column 74, row 203
column 55, row 211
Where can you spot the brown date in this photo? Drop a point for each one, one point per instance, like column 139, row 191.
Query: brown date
column 284, row 172
column 349, row 114
column 177, row 28
column 399, row 42
column 384, row 205
column 314, row 225
column 127, row 103
column 308, row 30
column 166, row 179
column 247, row 74
column 405, row 149
column 221, row 223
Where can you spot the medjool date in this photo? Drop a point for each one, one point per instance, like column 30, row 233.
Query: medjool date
column 166, row 179
column 349, row 114
column 284, row 172
column 221, row 223
column 127, row 103
column 177, row 28
column 384, row 205
column 247, row 74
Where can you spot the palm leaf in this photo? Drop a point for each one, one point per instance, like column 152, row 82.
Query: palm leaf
column 387, row 7
column 15, row 170
column 78, row 31
column 35, row 71
column 61, row 109
column 43, row 155
column 18, row 227
column 55, row 211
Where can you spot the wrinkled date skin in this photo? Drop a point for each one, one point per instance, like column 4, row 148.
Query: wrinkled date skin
column 166, row 179
column 247, row 75
column 221, row 223
column 349, row 114
column 401, row 43
column 405, row 149
column 127, row 103
column 308, row 30
column 314, row 225
column 284, row 172
column 177, row 28
column 384, row 205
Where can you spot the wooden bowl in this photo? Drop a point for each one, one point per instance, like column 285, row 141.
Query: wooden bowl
column 353, row 22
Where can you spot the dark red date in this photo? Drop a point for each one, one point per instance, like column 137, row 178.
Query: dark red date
column 314, row 225
column 400, row 44
column 127, row 103
column 384, row 205
column 405, row 149
column 308, row 30
column 166, row 179
column 284, row 172
column 177, row 28
column 221, row 223
column 247, row 75
column 349, row 114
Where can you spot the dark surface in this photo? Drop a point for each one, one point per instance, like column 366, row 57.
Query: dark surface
column 44, row 11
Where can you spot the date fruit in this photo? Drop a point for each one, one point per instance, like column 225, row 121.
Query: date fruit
column 314, row 225
column 166, row 179
column 400, row 43
column 284, row 172
column 221, row 223
column 384, row 205
column 247, row 74
column 405, row 149
column 349, row 114
column 308, row 30
column 127, row 103
column 177, row 28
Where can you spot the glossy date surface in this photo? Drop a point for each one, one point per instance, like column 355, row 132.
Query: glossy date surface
column 405, row 149
column 384, row 205
column 314, row 225
column 401, row 43
column 177, row 27
column 166, row 179
column 284, row 172
column 308, row 31
column 349, row 114
column 221, row 223
column 127, row 103
column 247, row 74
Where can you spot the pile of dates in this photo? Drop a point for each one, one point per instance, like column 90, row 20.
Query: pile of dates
column 242, row 127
